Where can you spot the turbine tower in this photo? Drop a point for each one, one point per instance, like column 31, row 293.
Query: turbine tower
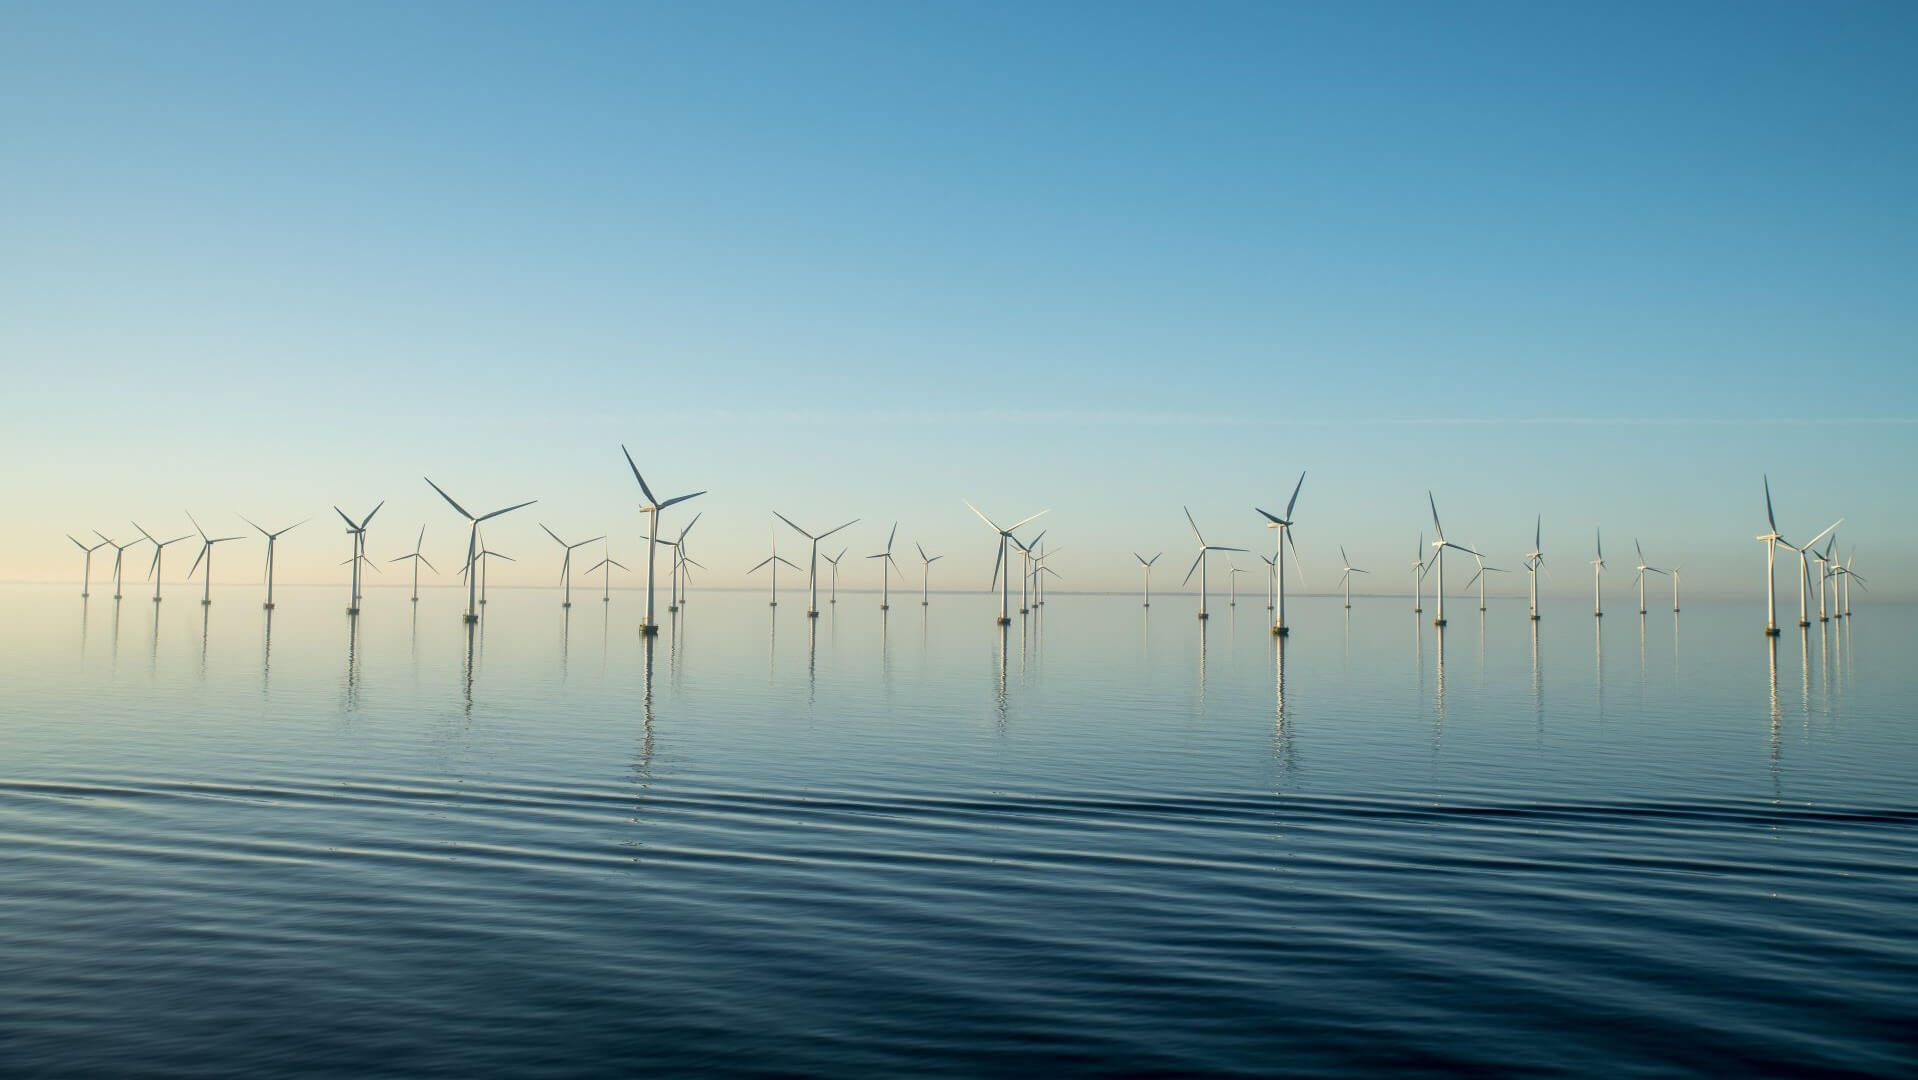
column 680, row 560
column 1419, row 565
column 1771, row 539
column 565, row 563
column 812, row 563
column 1198, row 564
column 1535, row 560
column 1438, row 556
column 417, row 559
column 86, row 567
column 357, row 530
column 206, row 553
column 834, row 560
column 472, row 543
column 1805, row 552
column 1145, row 569
column 1005, row 538
column 271, row 539
column 925, row 574
column 1027, row 571
column 1643, row 569
column 1345, row 579
column 1280, row 538
column 652, row 508
column 1598, row 569
column 1480, row 578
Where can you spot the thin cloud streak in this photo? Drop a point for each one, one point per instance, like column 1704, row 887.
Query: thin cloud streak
column 1097, row 418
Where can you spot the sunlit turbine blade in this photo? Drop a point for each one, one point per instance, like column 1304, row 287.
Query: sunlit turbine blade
column 496, row 513
column 1195, row 527
column 1195, row 566
column 642, row 480
column 1029, row 520
column 795, row 528
column 677, row 499
column 443, row 495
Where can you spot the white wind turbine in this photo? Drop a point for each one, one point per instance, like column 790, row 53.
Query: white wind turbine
column 472, row 544
column 680, row 560
column 1438, row 555
column 1345, row 579
column 119, row 550
column 1145, row 568
column 1535, row 560
column 1004, row 560
column 1674, row 590
column 1280, row 538
column 479, row 567
column 886, row 566
column 271, row 539
column 417, row 559
column 1805, row 551
column 206, row 553
column 773, row 561
column 1271, row 581
column 607, row 564
column 652, row 508
column 566, row 563
column 925, row 574
column 1039, row 570
column 1480, row 577
column 86, row 567
column 1598, row 570
column 357, row 530
column 1848, row 574
column 834, row 560
column 1771, row 539
column 159, row 549
column 1232, row 577
column 812, row 563
column 1643, row 569
column 1826, row 574
column 1419, row 566
column 1028, row 571
column 1198, row 564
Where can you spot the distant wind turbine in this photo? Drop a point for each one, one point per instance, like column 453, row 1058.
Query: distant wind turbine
column 1232, row 577
column 1771, row 539
column 680, row 560
column 1805, row 552
column 86, row 567
column 834, row 560
column 607, row 564
column 357, row 530
column 925, row 574
column 417, row 559
column 472, row 543
column 271, row 539
column 886, row 566
column 653, row 506
column 1480, row 578
column 159, row 549
column 1535, row 560
column 812, row 562
column 1438, row 556
column 206, row 553
column 1345, row 579
column 479, row 566
column 1643, row 569
column 1004, row 560
column 566, row 563
column 1027, row 572
column 773, row 561
column 119, row 550
column 1145, row 569
column 1598, row 570
column 1280, row 538
column 1198, row 564
column 1674, row 590
column 1418, row 576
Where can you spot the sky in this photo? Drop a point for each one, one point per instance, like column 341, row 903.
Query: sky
column 1608, row 264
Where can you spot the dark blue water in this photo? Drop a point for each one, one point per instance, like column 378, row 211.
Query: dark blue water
column 887, row 844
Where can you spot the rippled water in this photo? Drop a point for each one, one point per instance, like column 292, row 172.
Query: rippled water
column 881, row 844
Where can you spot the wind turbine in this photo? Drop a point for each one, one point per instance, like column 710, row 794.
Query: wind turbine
column 271, row 538
column 1233, row 571
column 1643, row 569
column 834, row 560
column 119, row 550
column 1438, row 555
column 565, row 563
column 1345, row 579
column 159, row 549
column 1771, row 539
column 1535, row 560
column 886, row 566
column 679, row 565
column 1145, row 568
column 1005, row 537
column 1825, row 574
column 607, row 563
column 472, row 543
column 1598, row 568
column 1480, row 577
column 925, row 574
column 773, row 561
column 417, row 559
column 1674, row 590
column 652, row 508
column 1198, row 564
column 1419, row 566
column 1280, row 538
column 1028, row 573
column 86, row 567
column 1805, row 551
column 1849, row 574
column 1271, row 581
column 479, row 567
column 357, row 530
column 206, row 553
column 812, row 564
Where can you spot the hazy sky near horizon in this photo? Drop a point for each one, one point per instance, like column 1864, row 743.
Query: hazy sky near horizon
column 1605, row 263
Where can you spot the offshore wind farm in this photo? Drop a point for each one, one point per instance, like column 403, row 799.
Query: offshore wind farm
column 349, row 350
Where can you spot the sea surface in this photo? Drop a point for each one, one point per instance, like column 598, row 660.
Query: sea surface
column 1109, row 840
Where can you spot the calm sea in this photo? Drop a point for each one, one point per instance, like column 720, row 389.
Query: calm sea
column 1108, row 841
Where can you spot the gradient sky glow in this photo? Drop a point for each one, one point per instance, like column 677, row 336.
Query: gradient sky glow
column 1605, row 262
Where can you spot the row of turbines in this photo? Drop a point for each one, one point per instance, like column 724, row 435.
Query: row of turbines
column 1833, row 577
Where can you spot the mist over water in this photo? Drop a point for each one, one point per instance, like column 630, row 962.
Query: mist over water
column 1105, row 839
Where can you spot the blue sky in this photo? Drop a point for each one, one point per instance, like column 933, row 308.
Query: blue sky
column 1607, row 263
